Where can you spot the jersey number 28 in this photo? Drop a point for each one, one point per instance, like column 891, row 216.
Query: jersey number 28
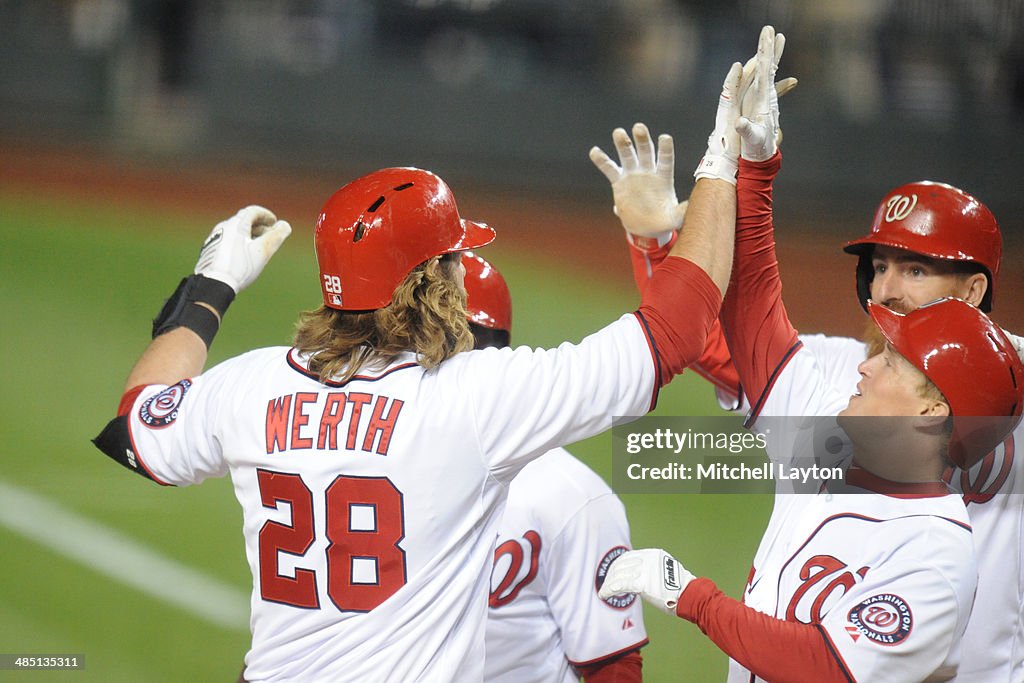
column 364, row 525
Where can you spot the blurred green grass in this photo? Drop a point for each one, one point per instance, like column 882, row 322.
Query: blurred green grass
column 79, row 284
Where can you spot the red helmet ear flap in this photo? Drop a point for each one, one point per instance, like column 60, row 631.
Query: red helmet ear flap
column 374, row 231
column 970, row 360
column 936, row 220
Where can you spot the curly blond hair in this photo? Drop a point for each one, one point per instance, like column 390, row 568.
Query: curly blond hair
column 427, row 316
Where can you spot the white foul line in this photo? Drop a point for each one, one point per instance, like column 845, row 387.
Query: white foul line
column 113, row 554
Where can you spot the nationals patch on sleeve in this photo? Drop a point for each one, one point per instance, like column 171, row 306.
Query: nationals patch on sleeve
column 885, row 619
column 160, row 410
column 617, row 601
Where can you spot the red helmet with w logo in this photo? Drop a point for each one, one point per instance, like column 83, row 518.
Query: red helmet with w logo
column 374, row 231
column 935, row 220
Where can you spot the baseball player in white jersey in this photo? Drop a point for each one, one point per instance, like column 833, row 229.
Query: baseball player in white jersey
column 872, row 579
column 372, row 458
column 807, row 571
column 561, row 528
column 927, row 240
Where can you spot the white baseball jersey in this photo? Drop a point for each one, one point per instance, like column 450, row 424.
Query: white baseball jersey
column 993, row 490
column 889, row 578
column 561, row 529
column 370, row 508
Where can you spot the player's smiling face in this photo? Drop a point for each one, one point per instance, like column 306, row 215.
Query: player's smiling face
column 905, row 280
column 889, row 386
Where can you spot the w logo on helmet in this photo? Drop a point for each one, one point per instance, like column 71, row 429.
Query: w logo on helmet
column 899, row 207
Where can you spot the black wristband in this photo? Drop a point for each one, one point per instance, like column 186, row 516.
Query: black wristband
column 182, row 309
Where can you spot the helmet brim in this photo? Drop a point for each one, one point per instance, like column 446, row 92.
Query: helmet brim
column 860, row 247
column 889, row 322
column 475, row 235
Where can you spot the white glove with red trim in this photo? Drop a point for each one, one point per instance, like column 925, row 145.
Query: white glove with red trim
column 653, row 573
column 237, row 249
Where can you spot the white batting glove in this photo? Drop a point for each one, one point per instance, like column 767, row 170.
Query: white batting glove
column 237, row 249
column 644, row 185
column 758, row 125
column 722, row 156
column 653, row 573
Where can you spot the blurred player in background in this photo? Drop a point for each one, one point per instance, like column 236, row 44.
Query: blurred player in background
column 561, row 528
column 927, row 240
column 372, row 459
column 852, row 588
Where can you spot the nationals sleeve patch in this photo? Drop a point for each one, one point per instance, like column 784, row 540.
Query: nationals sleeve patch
column 160, row 410
column 886, row 619
column 617, row 601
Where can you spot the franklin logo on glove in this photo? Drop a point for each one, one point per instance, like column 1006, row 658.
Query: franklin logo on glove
column 671, row 576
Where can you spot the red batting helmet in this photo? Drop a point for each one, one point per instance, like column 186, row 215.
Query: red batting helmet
column 936, row 220
column 374, row 231
column 488, row 302
column 970, row 360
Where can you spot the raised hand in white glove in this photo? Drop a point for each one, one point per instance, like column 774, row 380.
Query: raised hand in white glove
column 653, row 573
column 758, row 125
column 644, row 185
column 237, row 249
column 722, row 156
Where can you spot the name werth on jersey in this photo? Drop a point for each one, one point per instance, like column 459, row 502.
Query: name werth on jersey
column 306, row 420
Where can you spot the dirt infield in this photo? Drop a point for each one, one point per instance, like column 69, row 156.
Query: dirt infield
column 582, row 238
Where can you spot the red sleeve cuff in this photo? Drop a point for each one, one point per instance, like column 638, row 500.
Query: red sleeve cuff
column 128, row 399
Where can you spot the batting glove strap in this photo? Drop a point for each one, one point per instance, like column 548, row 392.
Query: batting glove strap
column 717, row 166
column 182, row 309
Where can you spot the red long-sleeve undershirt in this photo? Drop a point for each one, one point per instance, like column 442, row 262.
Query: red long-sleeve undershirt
column 714, row 364
column 678, row 309
column 773, row 649
column 760, row 337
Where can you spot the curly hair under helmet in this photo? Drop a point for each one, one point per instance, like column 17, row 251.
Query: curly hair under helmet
column 426, row 316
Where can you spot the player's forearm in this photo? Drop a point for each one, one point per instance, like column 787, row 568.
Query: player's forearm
column 708, row 230
column 754, row 316
column 171, row 357
column 771, row 648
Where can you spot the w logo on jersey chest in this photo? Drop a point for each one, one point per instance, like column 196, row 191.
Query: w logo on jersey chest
column 820, row 581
